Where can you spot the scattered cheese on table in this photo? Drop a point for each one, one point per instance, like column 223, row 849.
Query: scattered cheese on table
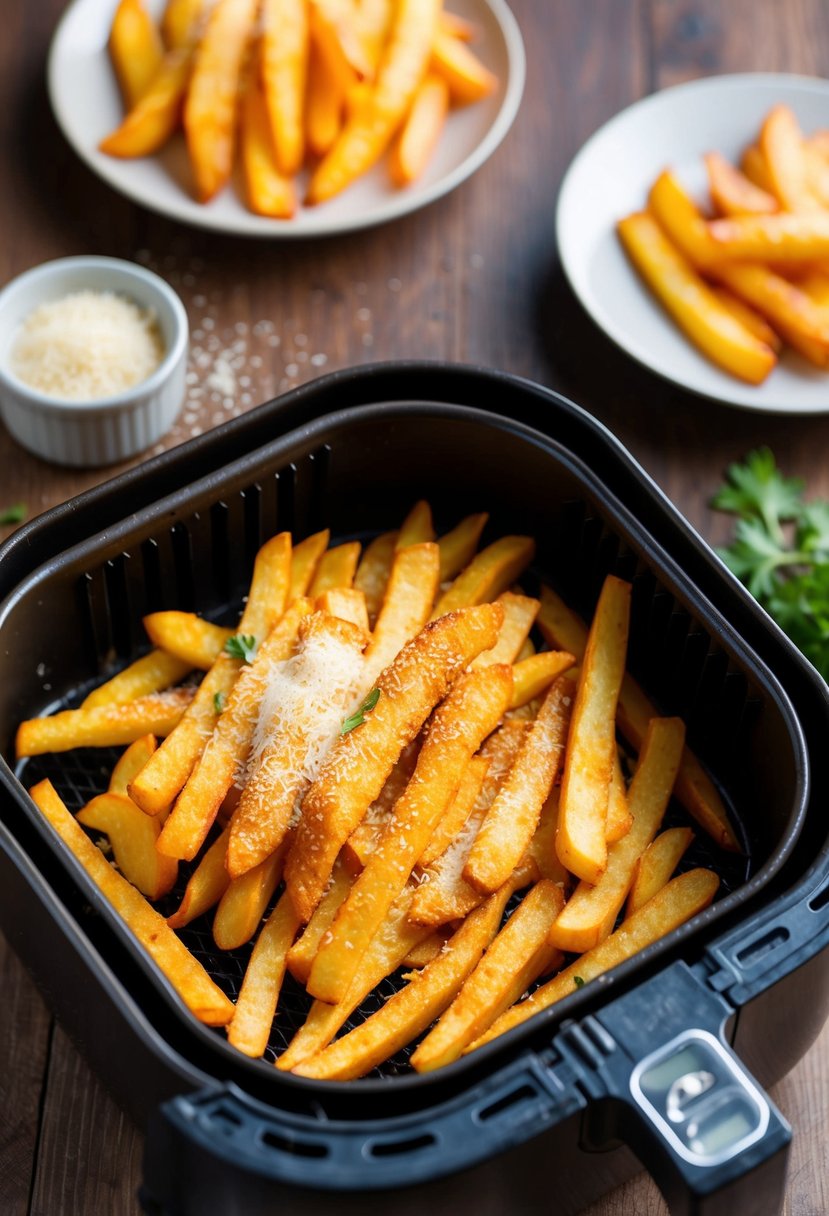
column 86, row 346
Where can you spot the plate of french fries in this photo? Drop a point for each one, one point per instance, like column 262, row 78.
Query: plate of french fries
column 408, row 762
column 285, row 118
column 694, row 228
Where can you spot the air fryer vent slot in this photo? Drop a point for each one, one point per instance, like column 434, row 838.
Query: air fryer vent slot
column 821, row 899
column 399, row 1148
column 297, row 1148
column 524, row 1093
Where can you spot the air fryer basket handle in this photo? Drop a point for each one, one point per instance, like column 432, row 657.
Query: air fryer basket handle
column 676, row 1093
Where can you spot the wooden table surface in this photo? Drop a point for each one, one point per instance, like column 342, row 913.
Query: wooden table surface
column 474, row 278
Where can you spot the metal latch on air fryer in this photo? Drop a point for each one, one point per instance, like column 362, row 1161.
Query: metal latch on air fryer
column 700, row 1099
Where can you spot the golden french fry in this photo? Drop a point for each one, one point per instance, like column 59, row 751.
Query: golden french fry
column 781, row 142
column 180, row 21
column 407, row 603
column 417, row 527
column 733, row 193
column 444, row 894
column 461, row 69
column 786, row 239
column 151, row 122
column 656, row 865
column 364, row 839
column 105, row 726
column 681, row 221
column 746, row 315
column 458, row 811
column 471, row 711
column 368, row 132
column 457, row 548
column 155, row 788
column 130, row 763
column 168, row 769
column 211, row 102
column 489, row 574
column 206, row 886
column 518, row 955
column 195, row 987
column 520, row 612
column 373, row 572
column 250, row 1026
column 348, row 604
column 135, row 49
column 186, row 636
column 456, row 26
column 285, row 45
column 416, row 141
column 390, row 946
column 511, row 820
column 619, row 818
column 336, row 30
column 691, row 303
column 694, row 788
column 361, row 760
column 542, row 848
column 676, row 903
column 304, row 951
column 336, row 568
column 300, row 716
column 152, row 673
column 533, row 676
column 268, row 190
column 421, row 955
column 411, row 1009
column 753, row 164
column 243, row 903
column 325, row 103
column 305, row 558
column 581, row 842
column 591, row 911
column 132, row 835
column 373, row 21
column 801, row 322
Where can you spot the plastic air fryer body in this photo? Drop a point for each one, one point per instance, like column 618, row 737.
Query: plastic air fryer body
column 662, row 1061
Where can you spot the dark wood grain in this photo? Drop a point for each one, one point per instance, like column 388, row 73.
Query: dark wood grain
column 473, row 278
column 25, row 1035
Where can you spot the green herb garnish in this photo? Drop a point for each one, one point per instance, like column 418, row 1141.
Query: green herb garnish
column 578, row 981
column 14, row 514
column 218, row 702
column 359, row 715
column 241, row 646
column 780, row 550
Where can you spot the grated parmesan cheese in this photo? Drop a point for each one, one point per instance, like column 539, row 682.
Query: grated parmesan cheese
column 312, row 692
column 86, row 345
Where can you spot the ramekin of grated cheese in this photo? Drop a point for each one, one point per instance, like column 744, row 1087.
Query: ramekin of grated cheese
column 93, row 356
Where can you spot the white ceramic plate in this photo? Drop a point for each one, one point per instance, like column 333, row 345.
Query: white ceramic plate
column 87, row 106
column 611, row 176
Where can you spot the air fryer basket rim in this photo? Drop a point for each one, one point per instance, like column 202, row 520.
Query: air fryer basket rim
column 309, row 431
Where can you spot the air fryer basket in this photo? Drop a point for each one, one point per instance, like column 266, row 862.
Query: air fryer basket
column 358, row 472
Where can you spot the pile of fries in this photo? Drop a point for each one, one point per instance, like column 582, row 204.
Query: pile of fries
column 371, row 767
column 328, row 83
column 757, row 275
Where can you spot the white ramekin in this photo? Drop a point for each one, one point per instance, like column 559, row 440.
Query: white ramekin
column 109, row 429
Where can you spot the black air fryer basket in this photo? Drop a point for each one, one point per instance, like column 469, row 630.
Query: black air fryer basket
column 662, row 1058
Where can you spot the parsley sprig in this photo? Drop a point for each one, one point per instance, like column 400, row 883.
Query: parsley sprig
column 780, row 550
column 359, row 715
column 14, row 514
column 241, row 646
